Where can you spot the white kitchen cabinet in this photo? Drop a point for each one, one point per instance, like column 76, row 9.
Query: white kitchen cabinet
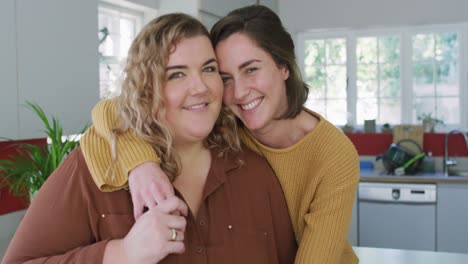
column 452, row 218
column 8, row 224
column 397, row 215
column 353, row 227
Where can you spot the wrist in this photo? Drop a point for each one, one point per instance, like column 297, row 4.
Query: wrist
column 115, row 252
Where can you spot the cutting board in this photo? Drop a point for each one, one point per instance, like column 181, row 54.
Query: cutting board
column 412, row 132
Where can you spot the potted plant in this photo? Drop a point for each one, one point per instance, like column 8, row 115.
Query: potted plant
column 429, row 123
column 25, row 172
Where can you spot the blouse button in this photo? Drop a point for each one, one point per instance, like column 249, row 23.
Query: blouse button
column 199, row 249
column 103, row 216
column 202, row 223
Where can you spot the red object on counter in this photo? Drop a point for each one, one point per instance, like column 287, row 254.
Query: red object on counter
column 377, row 143
column 8, row 202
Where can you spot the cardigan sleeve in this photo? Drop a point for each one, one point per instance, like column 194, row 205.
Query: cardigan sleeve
column 57, row 227
column 111, row 173
column 324, row 239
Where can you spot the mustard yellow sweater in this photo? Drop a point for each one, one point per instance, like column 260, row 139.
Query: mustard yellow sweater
column 319, row 177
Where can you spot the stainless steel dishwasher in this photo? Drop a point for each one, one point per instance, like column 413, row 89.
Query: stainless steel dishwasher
column 397, row 215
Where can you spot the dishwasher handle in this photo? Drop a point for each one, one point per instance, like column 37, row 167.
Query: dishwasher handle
column 397, row 193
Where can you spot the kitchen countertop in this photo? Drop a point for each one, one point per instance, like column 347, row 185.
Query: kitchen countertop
column 379, row 176
column 368, row 255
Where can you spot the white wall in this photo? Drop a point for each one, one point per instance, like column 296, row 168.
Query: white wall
column 301, row 15
column 57, row 63
column 185, row 6
column 8, row 83
column 210, row 11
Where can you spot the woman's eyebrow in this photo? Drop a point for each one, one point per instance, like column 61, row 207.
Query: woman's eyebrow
column 168, row 68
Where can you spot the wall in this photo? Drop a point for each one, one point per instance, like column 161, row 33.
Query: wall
column 50, row 58
column 301, row 15
column 8, row 81
column 211, row 11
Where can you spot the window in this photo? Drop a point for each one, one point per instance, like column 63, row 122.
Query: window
column 378, row 79
column 436, row 76
column 390, row 75
column 117, row 29
column 325, row 72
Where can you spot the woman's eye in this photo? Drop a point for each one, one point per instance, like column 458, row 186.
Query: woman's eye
column 250, row 70
column 176, row 75
column 210, row 69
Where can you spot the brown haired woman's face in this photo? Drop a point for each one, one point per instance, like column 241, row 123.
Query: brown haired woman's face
column 193, row 90
column 254, row 85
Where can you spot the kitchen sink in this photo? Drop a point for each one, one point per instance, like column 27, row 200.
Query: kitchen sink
column 456, row 173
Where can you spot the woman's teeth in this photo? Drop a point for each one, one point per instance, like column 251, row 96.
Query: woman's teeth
column 251, row 105
column 198, row 106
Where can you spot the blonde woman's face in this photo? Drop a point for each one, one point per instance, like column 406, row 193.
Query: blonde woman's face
column 193, row 90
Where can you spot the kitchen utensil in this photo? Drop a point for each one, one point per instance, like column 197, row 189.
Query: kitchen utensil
column 412, row 132
column 397, row 155
column 401, row 170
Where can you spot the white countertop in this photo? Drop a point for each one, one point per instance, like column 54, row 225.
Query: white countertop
column 368, row 255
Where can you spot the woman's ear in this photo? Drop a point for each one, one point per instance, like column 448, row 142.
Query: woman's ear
column 284, row 71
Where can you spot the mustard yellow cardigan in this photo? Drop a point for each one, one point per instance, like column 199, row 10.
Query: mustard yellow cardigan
column 319, row 177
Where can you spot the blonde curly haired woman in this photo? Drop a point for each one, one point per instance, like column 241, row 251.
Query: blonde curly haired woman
column 228, row 207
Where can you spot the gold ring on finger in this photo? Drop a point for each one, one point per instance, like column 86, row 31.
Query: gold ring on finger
column 174, row 234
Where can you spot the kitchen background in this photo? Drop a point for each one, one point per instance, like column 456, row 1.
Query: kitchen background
column 388, row 61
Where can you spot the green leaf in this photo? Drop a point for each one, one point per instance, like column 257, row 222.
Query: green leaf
column 30, row 168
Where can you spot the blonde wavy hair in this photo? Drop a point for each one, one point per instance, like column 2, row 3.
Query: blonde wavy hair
column 141, row 104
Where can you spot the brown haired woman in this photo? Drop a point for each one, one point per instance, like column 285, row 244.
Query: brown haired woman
column 171, row 100
column 315, row 163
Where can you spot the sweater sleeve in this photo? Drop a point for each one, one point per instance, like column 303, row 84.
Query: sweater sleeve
column 56, row 227
column 111, row 173
column 324, row 239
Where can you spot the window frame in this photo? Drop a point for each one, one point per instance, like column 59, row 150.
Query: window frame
column 406, row 75
column 119, row 12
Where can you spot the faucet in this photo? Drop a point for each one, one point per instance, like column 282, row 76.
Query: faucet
column 448, row 162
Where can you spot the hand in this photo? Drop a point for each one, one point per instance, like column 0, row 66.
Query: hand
column 149, row 186
column 150, row 239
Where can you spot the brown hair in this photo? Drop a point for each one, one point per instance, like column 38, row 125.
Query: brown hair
column 264, row 27
column 141, row 103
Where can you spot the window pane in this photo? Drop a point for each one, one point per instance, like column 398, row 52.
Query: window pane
column 436, row 81
column 125, row 44
column 336, row 51
column 127, row 28
column 325, row 73
column 366, row 50
column 366, row 109
column 423, row 79
column 316, row 105
column 336, row 82
column 389, row 49
column 447, row 79
column 315, row 78
column 314, row 52
column 390, row 111
column 423, row 47
column 106, row 48
column 389, row 80
column 424, row 105
column 449, row 110
column 367, row 81
column 446, row 46
column 336, row 111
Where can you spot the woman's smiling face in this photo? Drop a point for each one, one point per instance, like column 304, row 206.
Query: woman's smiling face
column 192, row 90
column 254, row 85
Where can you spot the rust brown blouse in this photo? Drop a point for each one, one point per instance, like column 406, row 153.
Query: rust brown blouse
column 243, row 218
